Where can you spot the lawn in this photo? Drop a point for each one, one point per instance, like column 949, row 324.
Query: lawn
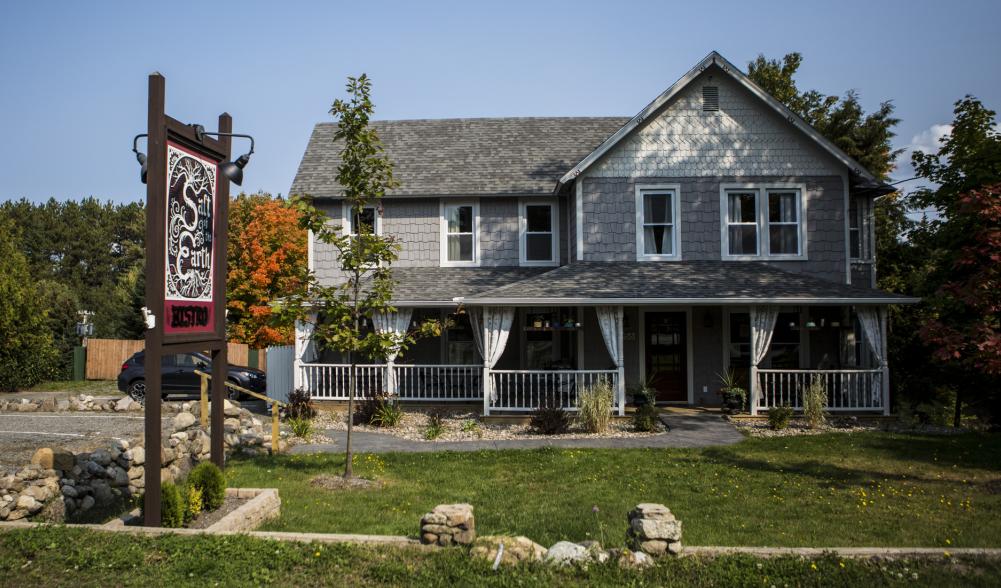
column 91, row 387
column 57, row 556
column 870, row 489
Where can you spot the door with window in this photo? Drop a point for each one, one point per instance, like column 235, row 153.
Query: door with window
column 666, row 355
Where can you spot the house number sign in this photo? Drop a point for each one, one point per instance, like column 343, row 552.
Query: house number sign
column 192, row 181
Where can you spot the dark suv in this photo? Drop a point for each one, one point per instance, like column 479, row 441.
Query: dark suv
column 177, row 376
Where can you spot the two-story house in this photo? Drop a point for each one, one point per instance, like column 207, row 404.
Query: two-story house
column 715, row 230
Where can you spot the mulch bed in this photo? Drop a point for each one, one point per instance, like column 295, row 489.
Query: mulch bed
column 209, row 518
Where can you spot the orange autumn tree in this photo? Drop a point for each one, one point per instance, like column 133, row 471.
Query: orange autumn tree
column 267, row 261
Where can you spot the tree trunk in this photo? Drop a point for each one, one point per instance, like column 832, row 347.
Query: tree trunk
column 957, row 417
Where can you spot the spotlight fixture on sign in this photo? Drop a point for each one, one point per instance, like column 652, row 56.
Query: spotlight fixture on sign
column 233, row 170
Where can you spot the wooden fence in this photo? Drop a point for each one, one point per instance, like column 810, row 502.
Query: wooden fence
column 106, row 356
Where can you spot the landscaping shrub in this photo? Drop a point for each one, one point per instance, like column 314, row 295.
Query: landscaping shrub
column 645, row 418
column 172, row 506
column 208, row 479
column 300, row 405
column 779, row 417
column 367, row 408
column 388, row 413
column 301, row 427
column 815, row 403
column 550, row 420
column 192, row 502
column 435, row 426
column 643, row 395
column 595, row 407
column 471, row 426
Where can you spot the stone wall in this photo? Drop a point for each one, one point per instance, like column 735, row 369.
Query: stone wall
column 61, row 486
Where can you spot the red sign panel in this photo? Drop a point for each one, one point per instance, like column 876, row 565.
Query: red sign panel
column 192, row 181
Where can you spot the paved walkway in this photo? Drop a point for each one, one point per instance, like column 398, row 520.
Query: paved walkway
column 688, row 428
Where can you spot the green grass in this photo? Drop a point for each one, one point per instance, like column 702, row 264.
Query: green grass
column 57, row 556
column 833, row 490
column 91, row 387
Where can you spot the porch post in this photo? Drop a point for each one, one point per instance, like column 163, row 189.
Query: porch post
column 486, row 390
column 394, row 386
column 885, row 376
column 752, row 387
column 621, row 388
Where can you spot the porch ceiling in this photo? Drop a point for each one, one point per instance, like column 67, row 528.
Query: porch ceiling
column 686, row 282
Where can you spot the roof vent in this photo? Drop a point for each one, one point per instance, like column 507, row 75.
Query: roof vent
column 710, row 98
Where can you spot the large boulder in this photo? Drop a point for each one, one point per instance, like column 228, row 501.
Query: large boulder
column 184, row 421
column 516, row 549
column 44, row 457
column 567, row 553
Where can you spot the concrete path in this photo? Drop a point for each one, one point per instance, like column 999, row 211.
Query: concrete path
column 688, row 428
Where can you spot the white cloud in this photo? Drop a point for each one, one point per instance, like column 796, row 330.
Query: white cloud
column 927, row 141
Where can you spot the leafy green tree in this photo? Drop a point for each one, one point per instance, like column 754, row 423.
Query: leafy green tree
column 962, row 243
column 346, row 308
column 27, row 355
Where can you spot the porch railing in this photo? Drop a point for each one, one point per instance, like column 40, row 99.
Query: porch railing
column 413, row 382
column 846, row 389
column 525, row 391
column 439, row 382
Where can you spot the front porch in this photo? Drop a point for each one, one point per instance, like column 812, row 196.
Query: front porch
column 550, row 354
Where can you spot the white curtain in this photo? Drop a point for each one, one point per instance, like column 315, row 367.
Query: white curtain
column 491, row 328
column 395, row 324
column 610, row 321
column 762, row 326
column 872, row 325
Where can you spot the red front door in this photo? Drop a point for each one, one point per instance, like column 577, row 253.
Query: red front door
column 666, row 355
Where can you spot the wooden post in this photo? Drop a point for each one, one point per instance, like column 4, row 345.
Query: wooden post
column 156, row 194
column 220, row 359
column 204, row 412
column 275, row 431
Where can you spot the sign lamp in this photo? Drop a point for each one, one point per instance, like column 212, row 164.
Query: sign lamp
column 233, row 170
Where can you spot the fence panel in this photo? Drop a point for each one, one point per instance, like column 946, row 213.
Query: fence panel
column 279, row 370
column 106, row 356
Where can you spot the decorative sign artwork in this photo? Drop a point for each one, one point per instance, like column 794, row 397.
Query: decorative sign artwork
column 190, row 256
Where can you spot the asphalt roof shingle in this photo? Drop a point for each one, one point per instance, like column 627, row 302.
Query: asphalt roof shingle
column 685, row 280
column 442, row 284
column 464, row 156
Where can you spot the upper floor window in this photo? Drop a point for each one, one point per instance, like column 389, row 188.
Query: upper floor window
column 539, row 239
column 460, row 244
column 657, row 235
column 763, row 222
column 365, row 221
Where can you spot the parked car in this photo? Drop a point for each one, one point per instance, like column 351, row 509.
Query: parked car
column 177, row 376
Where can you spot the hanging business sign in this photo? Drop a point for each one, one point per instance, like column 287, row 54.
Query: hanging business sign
column 190, row 257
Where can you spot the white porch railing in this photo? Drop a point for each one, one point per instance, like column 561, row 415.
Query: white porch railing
column 846, row 389
column 521, row 390
column 439, row 382
column 326, row 381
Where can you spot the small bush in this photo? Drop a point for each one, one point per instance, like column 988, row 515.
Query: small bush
column 779, row 417
column 208, row 479
column 300, row 427
column 367, row 408
column 732, row 394
column 192, row 503
column 471, row 426
column 300, row 405
column 387, row 414
column 172, row 506
column 815, row 403
column 643, row 395
column 435, row 426
column 595, row 407
column 550, row 420
column 645, row 418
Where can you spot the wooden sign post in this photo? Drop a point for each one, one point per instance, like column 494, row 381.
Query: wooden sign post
column 187, row 206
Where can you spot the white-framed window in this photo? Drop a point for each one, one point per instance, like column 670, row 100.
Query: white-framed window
column 460, row 224
column 657, row 223
column 367, row 220
column 539, row 233
column 763, row 221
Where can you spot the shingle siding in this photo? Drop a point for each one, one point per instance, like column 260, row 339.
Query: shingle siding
column 743, row 138
column 499, row 231
column 415, row 223
column 609, row 206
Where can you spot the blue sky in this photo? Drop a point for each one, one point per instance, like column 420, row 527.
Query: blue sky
column 73, row 74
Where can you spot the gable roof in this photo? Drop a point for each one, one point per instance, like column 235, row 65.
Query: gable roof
column 464, row 156
column 714, row 59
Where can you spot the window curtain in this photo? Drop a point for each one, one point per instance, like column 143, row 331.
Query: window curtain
column 872, row 325
column 610, row 321
column 491, row 328
column 396, row 325
column 762, row 327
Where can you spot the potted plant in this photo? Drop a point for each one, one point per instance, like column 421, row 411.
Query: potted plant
column 733, row 395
